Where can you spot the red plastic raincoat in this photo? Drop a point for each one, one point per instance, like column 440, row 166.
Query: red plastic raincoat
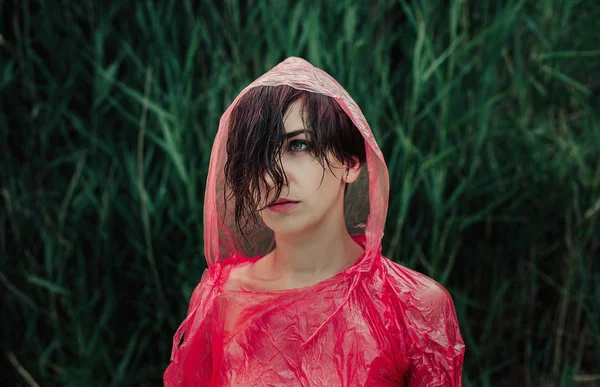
column 376, row 323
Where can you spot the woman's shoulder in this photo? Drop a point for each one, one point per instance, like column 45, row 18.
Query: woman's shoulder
column 237, row 276
column 416, row 288
column 236, row 272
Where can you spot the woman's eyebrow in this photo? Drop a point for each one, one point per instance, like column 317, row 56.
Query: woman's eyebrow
column 296, row 132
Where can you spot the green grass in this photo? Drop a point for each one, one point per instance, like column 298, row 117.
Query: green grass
column 487, row 113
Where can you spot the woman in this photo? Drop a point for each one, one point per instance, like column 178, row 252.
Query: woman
column 297, row 292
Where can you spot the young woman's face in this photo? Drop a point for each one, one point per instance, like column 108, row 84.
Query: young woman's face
column 315, row 191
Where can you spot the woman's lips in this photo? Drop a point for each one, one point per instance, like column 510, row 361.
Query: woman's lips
column 283, row 207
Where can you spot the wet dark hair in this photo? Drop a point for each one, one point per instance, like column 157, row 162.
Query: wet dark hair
column 256, row 137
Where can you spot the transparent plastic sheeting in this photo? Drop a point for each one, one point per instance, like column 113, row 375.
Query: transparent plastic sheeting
column 376, row 323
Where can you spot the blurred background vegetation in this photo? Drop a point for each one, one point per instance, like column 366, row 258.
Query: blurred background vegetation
column 487, row 112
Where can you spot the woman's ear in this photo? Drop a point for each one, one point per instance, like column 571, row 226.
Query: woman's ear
column 352, row 171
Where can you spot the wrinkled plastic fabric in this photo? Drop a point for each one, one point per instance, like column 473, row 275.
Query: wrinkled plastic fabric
column 376, row 323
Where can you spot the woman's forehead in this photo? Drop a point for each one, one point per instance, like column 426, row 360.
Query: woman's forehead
column 295, row 119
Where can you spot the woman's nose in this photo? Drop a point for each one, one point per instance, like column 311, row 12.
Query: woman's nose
column 286, row 175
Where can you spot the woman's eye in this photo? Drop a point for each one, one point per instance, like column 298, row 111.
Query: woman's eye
column 298, row 146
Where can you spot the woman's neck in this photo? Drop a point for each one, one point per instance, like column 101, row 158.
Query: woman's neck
column 314, row 255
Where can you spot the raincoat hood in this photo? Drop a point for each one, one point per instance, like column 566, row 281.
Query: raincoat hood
column 376, row 323
column 366, row 200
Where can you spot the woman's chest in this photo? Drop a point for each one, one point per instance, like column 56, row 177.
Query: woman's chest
column 304, row 341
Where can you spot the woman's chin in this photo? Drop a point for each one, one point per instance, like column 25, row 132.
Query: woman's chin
column 288, row 226
column 287, row 229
